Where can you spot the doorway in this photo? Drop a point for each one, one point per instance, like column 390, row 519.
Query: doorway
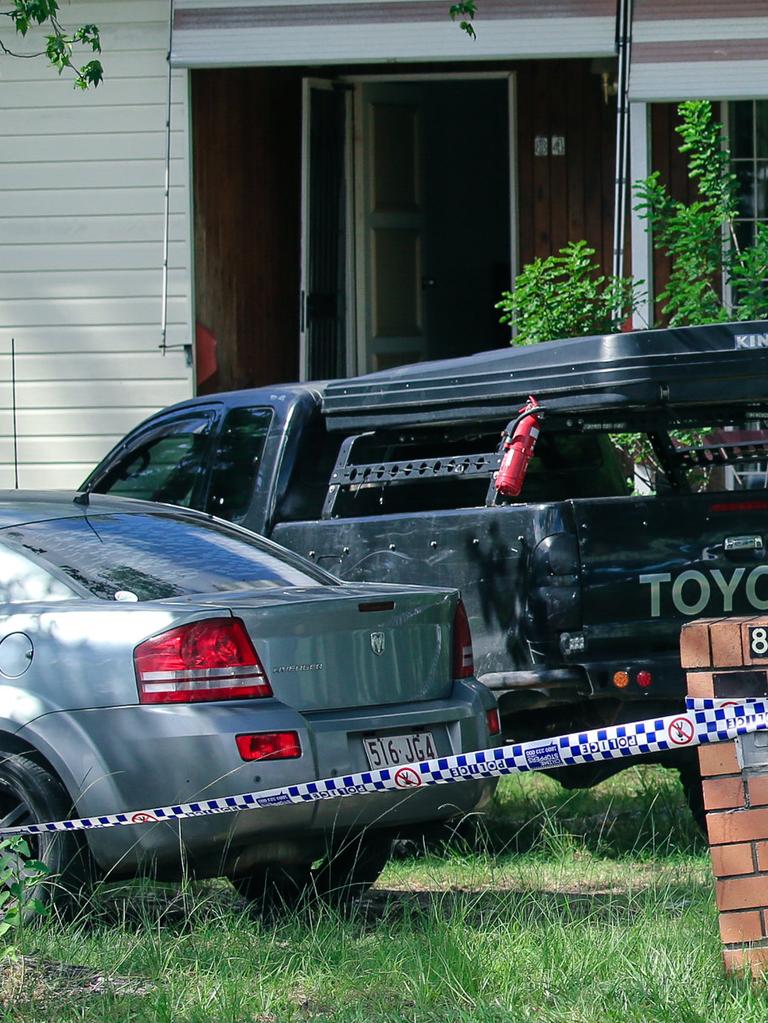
column 408, row 220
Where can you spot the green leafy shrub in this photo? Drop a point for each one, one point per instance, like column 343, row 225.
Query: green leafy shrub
column 700, row 237
column 20, row 875
column 566, row 295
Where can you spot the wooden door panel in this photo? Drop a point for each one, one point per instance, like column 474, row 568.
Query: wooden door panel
column 396, row 283
column 395, row 184
column 391, row 227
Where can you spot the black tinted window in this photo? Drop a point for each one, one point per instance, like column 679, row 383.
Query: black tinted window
column 148, row 556
column 237, row 461
column 167, row 464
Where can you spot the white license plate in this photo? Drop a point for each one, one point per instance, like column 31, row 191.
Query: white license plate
column 393, row 750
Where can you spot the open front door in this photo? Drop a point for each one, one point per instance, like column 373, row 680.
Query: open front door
column 390, row 279
column 324, row 202
column 435, row 226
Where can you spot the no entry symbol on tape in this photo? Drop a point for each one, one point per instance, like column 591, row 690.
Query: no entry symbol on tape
column 680, row 731
column 407, row 778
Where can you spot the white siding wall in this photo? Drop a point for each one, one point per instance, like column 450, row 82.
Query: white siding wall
column 81, row 239
column 212, row 33
column 699, row 49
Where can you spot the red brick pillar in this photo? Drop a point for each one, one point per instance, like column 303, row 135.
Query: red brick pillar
column 719, row 662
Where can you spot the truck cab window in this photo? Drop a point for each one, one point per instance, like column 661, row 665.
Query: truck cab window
column 237, row 461
column 165, row 463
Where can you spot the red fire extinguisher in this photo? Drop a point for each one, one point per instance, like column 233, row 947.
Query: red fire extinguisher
column 519, row 441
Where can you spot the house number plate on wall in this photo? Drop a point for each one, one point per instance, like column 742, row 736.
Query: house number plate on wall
column 758, row 640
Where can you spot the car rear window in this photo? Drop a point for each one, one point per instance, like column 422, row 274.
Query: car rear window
column 145, row 556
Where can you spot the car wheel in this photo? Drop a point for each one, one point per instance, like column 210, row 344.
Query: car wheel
column 30, row 794
column 273, row 888
column 349, row 870
column 342, row 876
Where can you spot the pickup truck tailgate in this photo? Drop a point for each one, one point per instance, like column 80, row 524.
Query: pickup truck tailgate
column 651, row 563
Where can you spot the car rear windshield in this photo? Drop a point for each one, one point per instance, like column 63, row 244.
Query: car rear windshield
column 145, row 556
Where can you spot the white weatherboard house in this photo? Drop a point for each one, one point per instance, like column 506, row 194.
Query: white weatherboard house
column 82, row 182
column 353, row 182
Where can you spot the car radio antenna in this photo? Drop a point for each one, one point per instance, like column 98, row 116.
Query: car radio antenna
column 13, row 413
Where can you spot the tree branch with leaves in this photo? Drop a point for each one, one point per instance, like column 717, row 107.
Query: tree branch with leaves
column 60, row 43
column 465, row 12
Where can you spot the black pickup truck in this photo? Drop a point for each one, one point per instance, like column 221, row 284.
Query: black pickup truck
column 576, row 589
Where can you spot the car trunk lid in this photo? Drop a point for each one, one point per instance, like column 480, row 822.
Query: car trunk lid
column 326, row 648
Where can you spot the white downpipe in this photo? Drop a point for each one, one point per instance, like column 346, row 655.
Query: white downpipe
column 624, row 45
column 167, row 209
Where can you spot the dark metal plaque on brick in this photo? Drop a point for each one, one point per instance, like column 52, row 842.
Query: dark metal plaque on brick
column 731, row 685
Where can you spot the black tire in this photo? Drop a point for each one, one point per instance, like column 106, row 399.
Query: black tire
column 31, row 794
column 344, row 874
column 350, row 870
column 272, row 889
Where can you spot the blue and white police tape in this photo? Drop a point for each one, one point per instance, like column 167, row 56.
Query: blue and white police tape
column 705, row 721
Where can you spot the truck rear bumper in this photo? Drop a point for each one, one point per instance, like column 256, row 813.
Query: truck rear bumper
column 594, row 679
column 533, row 678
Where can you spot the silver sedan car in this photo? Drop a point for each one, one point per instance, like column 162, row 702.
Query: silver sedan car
column 151, row 655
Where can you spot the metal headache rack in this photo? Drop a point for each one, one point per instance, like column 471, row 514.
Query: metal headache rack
column 404, row 470
column 721, row 454
column 349, row 474
column 676, row 460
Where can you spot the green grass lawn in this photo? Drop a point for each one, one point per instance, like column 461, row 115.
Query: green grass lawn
column 567, row 907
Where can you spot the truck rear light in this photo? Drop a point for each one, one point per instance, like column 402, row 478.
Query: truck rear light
column 644, row 679
column 572, row 643
column 493, row 721
column 463, row 658
column 269, row 746
column 621, row 679
column 737, row 507
column 213, row 659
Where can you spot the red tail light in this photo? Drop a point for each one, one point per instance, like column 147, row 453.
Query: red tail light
column 463, row 658
column 269, row 746
column 493, row 721
column 209, row 660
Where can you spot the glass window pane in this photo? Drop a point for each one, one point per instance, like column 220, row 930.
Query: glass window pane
column 745, row 232
column 761, row 119
column 154, row 557
column 237, row 461
column 168, row 465
column 742, row 141
column 745, row 175
column 761, row 189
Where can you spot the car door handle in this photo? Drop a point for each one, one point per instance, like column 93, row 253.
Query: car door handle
column 742, row 544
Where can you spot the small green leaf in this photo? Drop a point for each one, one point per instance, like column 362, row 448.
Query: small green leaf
column 466, row 11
